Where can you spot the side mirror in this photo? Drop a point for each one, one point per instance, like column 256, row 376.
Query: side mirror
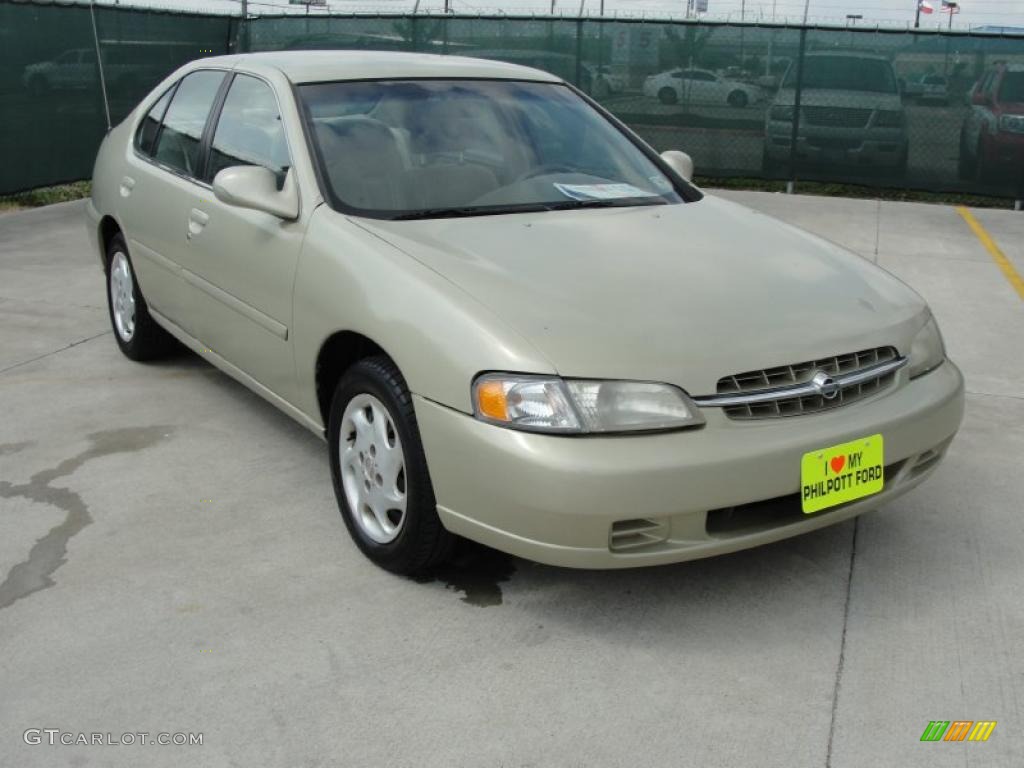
column 255, row 187
column 680, row 162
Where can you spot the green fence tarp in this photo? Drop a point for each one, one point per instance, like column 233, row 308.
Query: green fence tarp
column 926, row 110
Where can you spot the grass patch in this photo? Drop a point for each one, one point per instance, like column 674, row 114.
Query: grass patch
column 831, row 189
column 33, row 198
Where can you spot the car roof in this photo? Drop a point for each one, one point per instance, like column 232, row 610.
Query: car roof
column 324, row 66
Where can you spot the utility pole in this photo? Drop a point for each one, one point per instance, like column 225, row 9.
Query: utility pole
column 244, row 31
column 807, row 8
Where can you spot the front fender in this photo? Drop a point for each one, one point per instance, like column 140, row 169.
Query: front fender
column 349, row 279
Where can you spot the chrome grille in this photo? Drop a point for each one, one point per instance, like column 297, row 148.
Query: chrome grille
column 784, row 376
column 837, row 117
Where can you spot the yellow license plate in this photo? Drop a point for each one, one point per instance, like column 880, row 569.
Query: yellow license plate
column 841, row 473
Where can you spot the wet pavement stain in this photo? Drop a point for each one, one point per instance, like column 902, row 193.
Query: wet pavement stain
column 50, row 552
column 477, row 572
column 7, row 449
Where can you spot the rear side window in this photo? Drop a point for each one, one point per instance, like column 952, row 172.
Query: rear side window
column 145, row 136
column 178, row 144
column 249, row 131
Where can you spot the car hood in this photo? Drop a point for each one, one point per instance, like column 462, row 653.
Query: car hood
column 683, row 293
column 828, row 97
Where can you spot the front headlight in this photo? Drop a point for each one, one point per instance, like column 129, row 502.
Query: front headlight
column 927, row 352
column 1011, row 123
column 885, row 118
column 577, row 406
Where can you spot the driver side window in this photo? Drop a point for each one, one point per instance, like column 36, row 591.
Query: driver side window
column 249, row 131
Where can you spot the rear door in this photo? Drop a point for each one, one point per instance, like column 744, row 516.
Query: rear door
column 157, row 188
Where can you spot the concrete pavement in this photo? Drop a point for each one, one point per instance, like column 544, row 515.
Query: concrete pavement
column 172, row 560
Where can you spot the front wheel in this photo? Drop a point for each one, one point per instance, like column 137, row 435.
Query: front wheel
column 668, row 95
column 379, row 470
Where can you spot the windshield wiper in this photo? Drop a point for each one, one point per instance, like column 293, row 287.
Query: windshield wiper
column 494, row 210
column 479, row 210
column 618, row 202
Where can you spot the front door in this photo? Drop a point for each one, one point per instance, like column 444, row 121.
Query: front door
column 239, row 263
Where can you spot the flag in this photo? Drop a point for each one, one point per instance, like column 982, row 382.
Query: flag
column 925, row 7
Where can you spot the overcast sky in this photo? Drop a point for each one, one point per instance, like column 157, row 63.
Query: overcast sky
column 973, row 12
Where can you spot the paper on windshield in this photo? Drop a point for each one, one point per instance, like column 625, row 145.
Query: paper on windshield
column 602, row 191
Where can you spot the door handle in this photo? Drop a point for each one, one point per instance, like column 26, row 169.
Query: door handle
column 127, row 184
column 196, row 221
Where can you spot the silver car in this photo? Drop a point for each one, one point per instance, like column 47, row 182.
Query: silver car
column 509, row 318
column 851, row 114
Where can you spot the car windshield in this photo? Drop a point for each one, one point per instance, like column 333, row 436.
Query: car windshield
column 1012, row 87
column 845, row 73
column 431, row 148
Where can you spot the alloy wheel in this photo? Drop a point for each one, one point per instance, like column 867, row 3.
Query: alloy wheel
column 122, row 296
column 372, row 468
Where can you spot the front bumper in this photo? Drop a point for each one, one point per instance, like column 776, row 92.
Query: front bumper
column 874, row 147
column 571, row 501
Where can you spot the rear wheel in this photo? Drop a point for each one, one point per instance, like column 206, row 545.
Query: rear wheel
column 738, row 99
column 379, row 470
column 668, row 95
column 137, row 334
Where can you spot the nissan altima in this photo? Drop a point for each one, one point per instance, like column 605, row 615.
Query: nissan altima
column 511, row 320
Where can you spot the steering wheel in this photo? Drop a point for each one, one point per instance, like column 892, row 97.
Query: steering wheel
column 543, row 170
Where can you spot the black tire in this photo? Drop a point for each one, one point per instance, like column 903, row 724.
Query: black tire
column 965, row 164
column 738, row 99
column 148, row 341
column 422, row 542
column 668, row 95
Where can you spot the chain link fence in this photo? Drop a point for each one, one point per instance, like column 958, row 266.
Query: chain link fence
column 938, row 111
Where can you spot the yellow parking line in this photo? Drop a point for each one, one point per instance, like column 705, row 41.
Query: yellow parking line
column 997, row 255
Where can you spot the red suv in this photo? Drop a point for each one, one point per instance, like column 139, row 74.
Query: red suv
column 992, row 137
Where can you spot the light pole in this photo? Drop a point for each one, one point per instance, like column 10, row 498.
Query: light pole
column 807, row 8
